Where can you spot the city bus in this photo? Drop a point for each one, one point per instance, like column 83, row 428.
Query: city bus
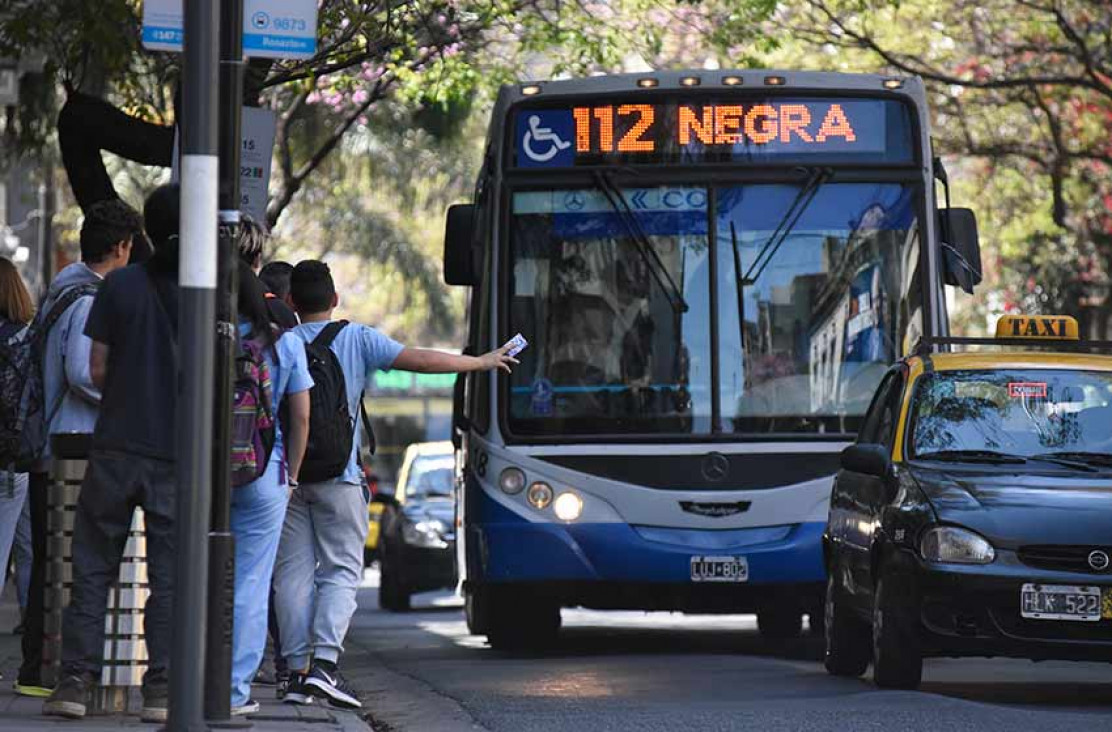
column 712, row 270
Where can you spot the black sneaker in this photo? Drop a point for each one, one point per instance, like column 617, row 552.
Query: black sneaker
column 251, row 707
column 156, row 702
column 283, row 684
column 297, row 692
column 333, row 686
column 70, row 697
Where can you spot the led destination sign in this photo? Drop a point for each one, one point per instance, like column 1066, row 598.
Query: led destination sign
column 713, row 131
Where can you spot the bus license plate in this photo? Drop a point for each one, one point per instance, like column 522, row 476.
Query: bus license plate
column 719, row 569
column 1060, row 602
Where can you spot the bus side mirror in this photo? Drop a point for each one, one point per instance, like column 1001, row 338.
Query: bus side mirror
column 459, row 258
column 460, row 422
column 961, row 248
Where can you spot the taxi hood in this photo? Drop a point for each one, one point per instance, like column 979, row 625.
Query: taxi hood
column 1011, row 509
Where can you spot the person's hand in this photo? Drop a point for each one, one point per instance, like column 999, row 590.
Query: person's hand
column 498, row 359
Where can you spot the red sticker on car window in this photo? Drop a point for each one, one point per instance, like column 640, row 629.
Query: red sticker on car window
column 1021, row 389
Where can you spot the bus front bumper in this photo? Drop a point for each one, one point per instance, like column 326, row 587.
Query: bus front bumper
column 619, row 566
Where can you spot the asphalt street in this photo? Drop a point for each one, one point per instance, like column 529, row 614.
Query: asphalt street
column 422, row 672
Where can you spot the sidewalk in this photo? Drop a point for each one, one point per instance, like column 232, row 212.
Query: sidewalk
column 20, row 714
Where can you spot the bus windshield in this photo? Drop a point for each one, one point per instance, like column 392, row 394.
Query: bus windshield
column 613, row 290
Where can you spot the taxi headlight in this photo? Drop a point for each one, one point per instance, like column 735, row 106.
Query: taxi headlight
column 953, row 545
column 511, row 481
column 568, row 506
column 426, row 534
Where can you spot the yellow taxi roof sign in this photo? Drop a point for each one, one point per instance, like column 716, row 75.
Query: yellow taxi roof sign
column 1038, row 327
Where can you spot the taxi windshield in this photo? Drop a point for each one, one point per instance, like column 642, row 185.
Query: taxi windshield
column 1024, row 413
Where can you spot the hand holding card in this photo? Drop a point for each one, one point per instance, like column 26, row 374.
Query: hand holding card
column 517, row 344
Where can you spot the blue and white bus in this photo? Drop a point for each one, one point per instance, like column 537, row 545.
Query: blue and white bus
column 713, row 270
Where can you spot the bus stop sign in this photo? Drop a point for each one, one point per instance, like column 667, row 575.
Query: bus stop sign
column 271, row 28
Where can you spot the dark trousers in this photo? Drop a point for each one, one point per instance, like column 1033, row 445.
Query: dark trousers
column 34, row 617
column 114, row 485
column 280, row 664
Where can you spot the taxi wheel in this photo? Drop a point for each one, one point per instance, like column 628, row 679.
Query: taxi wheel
column 847, row 636
column 897, row 650
column 780, row 623
column 392, row 594
column 518, row 622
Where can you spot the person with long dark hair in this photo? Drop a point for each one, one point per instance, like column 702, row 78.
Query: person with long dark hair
column 16, row 311
column 259, row 507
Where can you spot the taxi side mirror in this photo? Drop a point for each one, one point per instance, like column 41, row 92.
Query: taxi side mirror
column 459, row 258
column 868, row 459
column 961, row 248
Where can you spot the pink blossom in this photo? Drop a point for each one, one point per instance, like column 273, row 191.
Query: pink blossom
column 360, row 97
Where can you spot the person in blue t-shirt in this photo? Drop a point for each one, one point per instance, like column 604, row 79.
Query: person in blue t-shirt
column 320, row 556
column 259, row 508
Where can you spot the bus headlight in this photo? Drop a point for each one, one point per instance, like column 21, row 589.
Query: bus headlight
column 539, row 495
column 568, row 506
column 511, row 481
column 954, row 545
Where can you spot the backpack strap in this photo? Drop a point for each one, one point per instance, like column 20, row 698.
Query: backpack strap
column 68, row 297
column 372, row 444
column 325, row 337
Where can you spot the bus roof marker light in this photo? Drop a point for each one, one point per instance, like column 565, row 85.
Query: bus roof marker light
column 568, row 507
column 691, row 81
column 775, row 81
column 539, row 495
column 893, row 83
column 733, row 80
column 647, row 83
column 530, row 90
column 511, row 481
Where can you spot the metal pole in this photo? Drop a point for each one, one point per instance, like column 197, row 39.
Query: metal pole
column 218, row 670
column 197, row 276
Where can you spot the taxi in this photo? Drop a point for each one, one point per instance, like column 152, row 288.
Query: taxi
column 973, row 516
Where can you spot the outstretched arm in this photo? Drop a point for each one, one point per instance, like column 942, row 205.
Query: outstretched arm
column 425, row 361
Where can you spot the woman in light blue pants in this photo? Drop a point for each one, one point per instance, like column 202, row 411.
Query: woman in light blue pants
column 259, row 508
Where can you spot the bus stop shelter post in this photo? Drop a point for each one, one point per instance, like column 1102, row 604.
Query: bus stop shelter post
column 221, row 598
column 197, row 308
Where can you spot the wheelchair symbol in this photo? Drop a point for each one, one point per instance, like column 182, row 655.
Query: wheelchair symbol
column 537, row 133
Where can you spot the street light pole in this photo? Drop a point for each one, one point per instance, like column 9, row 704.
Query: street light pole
column 221, row 542
column 197, row 276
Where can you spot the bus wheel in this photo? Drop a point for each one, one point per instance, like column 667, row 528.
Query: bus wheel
column 780, row 623
column 847, row 636
column 476, row 608
column 897, row 647
column 518, row 622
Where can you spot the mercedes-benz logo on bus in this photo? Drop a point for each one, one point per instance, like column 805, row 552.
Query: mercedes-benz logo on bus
column 1098, row 560
column 715, row 467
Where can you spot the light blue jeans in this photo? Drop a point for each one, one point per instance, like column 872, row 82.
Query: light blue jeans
column 319, row 569
column 258, row 510
column 13, row 494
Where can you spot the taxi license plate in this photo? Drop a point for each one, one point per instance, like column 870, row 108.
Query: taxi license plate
column 1061, row 602
column 719, row 569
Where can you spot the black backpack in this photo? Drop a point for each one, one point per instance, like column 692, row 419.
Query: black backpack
column 24, row 415
column 331, row 426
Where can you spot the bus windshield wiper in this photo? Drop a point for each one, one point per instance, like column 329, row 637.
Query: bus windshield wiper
column 972, row 456
column 644, row 247
column 784, row 228
column 1075, row 457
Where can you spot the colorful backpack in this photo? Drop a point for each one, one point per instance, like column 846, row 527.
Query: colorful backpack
column 253, row 430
